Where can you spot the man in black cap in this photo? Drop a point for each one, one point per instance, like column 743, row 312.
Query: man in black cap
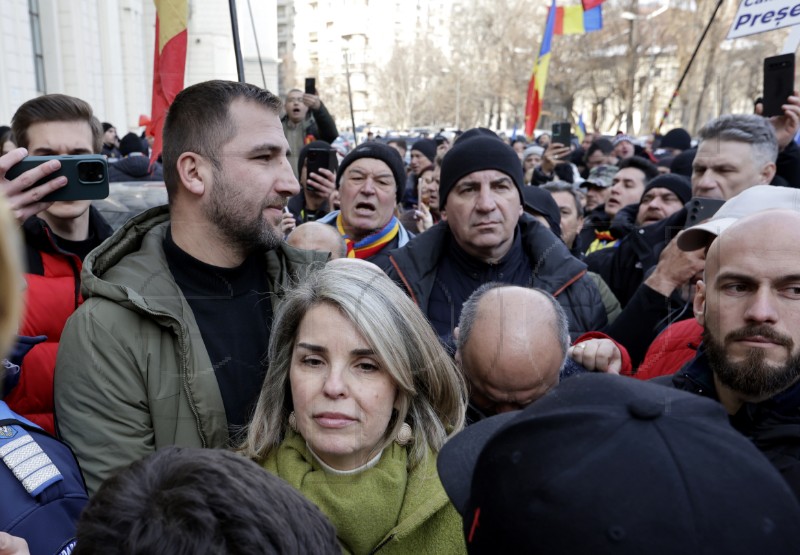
column 370, row 183
column 135, row 165
column 423, row 154
column 609, row 465
column 487, row 238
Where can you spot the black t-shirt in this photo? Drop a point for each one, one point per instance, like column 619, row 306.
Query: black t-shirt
column 78, row 248
column 233, row 310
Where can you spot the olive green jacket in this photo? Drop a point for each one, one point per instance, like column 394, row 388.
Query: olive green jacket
column 132, row 373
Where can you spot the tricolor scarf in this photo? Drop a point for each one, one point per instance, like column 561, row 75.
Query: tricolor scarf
column 371, row 244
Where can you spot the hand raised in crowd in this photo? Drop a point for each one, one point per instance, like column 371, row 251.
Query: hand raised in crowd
column 554, row 154
column 787, row 125
column 675, row 268
column 312, row 101
column 323, row 183
column 597, row 355
column 12, row 545
column 423, row 217
column 288, row 223
column 25, row 201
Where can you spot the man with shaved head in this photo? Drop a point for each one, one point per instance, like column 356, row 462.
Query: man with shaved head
column 315, row 236
column 511, row 344
column 749, row 306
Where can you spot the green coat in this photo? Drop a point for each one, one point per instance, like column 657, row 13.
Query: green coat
column 132, row 373
column 427, row 521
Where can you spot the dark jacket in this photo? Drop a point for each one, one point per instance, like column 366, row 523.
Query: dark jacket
column 297, row 206
column 52, row 295
column 772, row 425
column 555, row 270
column 135, row 168
column 595, row 220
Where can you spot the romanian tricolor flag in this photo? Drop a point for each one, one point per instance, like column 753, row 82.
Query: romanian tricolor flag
column 169, row 63
column 533, row 102
column 573, row 20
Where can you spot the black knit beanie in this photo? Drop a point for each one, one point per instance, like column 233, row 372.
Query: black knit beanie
column 676, row 183
column 427, row 147
column 382, row 152
column 682, row 164
column 677, row 138
column 477, row 153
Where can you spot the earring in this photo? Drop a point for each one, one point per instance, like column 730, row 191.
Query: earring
column 293, row 422
column 404, row 435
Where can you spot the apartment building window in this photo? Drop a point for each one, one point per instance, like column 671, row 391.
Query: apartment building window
column 38, row 50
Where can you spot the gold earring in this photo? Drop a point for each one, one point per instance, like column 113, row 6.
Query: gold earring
column 404, row 435
column 293, row 422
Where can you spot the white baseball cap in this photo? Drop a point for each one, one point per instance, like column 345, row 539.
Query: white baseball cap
column 752, row 200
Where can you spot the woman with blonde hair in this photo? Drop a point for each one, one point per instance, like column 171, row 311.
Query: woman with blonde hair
column 359, row 398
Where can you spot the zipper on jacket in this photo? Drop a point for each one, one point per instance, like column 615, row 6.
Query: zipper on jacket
column 184, row 365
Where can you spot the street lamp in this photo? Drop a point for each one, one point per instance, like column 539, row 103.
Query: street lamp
column 349, row 90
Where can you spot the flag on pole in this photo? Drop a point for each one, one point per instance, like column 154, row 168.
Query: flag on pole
column 581, row 130
column 169, row 63
column 574, row 20
column 533, row 101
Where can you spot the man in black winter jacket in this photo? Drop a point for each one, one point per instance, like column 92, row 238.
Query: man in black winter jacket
column 487, row 238
column 749, row 306
column 135, row 164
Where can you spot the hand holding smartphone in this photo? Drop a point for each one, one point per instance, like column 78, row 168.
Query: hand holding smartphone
column 87, row 176
column 562, row 133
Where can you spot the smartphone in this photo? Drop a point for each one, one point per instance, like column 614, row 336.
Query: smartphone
column 701, row 209
column 311, row 85
column 317, row 158
column 778, row 83
column 87, row 176
column 562, row 133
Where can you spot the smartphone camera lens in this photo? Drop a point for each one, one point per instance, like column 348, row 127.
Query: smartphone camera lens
column 91, row 172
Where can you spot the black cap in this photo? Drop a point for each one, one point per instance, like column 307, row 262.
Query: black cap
column 608, row 464
column 382, row 152
column 132, row 142
column 541, row 202
column 476, row 151
column 427, row 147
column 678, row 138
column 676, row 183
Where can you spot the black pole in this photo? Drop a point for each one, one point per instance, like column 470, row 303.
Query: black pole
column 237, row 47
column 688, row 67
column 258, row 50
column 350, row 96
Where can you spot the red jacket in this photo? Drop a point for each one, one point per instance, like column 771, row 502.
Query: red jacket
column 674, row 347
column 51, row 296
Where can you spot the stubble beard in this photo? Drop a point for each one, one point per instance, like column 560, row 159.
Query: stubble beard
column 234, row 219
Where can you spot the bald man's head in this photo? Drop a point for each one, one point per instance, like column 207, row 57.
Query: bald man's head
column 316, row 236
column 512, row 344
column 749, row 305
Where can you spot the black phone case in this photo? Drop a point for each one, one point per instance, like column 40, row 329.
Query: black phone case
column 75, row 189
column 778, row 83
column 561, row 133
column 311, row 85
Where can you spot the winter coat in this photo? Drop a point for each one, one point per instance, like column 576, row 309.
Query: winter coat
column 133, row 374
column 51, row 296
column 772, row 425
column 135, row 168
column 414, row 267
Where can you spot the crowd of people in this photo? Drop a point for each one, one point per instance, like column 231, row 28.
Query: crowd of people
column 477, row 345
